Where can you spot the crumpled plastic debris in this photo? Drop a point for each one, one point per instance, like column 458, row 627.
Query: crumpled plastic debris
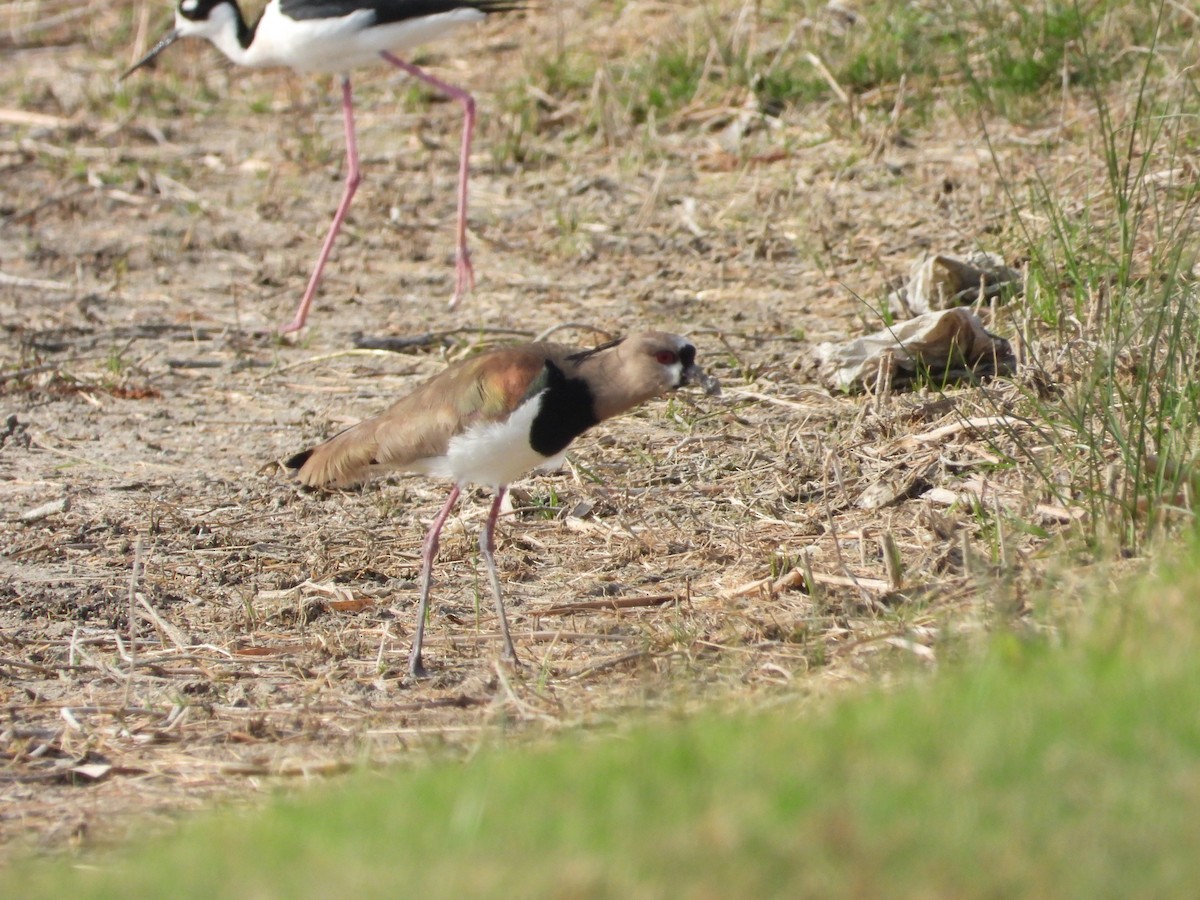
column 944, row 346
column 944, row 282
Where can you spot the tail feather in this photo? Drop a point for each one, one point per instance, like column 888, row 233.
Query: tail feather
column 298, row 461
column 342, row 461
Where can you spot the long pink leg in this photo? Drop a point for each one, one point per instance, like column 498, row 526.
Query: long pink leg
column 415, row 668
column 487, row 545
column 465, row 274
column 353, row 179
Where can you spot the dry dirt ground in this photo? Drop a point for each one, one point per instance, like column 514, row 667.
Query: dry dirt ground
column 150, row 246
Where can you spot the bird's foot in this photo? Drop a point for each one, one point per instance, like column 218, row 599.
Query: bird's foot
column 464, row 276
column 416, row 668
column 291, row 327
column 509, row 658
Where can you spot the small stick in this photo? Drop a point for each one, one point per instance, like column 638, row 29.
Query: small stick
column 54, row 507
column 580, row 326
column 1000, row 538
column 23, row 373
column 607, row 664
column 398, row 344
column 40, row 284
column 813, row 586
column 892, row 561
column 32, row 667
column 977, row 424
column 133, row 583
column 387, row 633
column 799, row 576
column 46, row 204
column 34, row 119
column 608, row 603
column 821, row 68
column 176, row 636
column 532, row 636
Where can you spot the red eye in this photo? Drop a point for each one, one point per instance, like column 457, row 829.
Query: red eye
column 667, row 357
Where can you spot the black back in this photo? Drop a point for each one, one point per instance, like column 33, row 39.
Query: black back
column 387, row 11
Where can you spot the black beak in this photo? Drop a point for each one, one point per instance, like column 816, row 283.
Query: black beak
column 162, row 45
column 693, row 374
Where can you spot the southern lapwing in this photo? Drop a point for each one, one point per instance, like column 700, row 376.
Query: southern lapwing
column 491, row 418
column 337, row 36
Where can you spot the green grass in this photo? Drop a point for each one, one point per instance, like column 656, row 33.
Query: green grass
column 1004, row 57
column 1044, row 769
column 1109, row 315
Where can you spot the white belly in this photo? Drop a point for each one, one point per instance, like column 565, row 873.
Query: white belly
column 494, row 454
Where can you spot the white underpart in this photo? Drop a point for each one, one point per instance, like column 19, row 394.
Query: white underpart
column 676, row 370
column 320, row 45
column 494, row 454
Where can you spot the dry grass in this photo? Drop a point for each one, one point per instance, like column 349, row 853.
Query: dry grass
column 781, row 541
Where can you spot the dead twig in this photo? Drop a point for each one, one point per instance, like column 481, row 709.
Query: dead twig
column 608, row 664
column 608, row 603
column 37, row 284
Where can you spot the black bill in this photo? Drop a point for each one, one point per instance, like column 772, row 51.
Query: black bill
column 158, row 48
column 693, row 374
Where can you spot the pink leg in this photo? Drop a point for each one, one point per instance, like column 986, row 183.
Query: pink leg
column 465, row 274
column 415, row 668
column 353, row 179
column 487, row 545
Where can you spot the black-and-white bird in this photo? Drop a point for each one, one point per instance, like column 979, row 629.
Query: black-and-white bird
column 337, row 36
column 494, row 417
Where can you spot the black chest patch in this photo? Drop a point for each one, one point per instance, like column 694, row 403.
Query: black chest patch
column 567, row 411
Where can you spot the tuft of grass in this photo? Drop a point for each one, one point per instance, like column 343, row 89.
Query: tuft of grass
column 545, row 506
column 1111, row 318
column 1021, row 55
column 1017, row 58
